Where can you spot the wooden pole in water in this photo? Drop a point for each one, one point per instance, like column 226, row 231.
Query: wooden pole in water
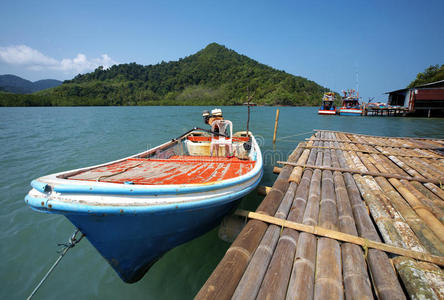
column 276, row 126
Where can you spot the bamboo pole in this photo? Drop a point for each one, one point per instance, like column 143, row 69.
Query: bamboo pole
column 428, row 217
column 376, row 152
column 386, row 283
column 374, row 136
column 437, row 202
column 391, row 168
column 437, row 190
column 301, row 283
column 276, row 126
column 277, row 276
column 251, row 280
column 434, row 276
column 403, row 165
column 415, row 280
column 296, row 174
column 426, row 170
column 225, row 277
column 277, row 170
column 343, row 237
column 355, row 171
column 328, row 283
column 416, row 201
column 374, row 198
column 263, row 190
column 328, row 275
column 422, row 233
column 371, row 144
column 435, row 210
column 356, row 279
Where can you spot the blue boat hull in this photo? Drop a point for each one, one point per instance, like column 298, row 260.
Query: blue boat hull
column 133, row 225
column 350, row 114
column 132, row 243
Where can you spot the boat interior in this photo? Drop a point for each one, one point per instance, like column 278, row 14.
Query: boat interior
column 196, row 158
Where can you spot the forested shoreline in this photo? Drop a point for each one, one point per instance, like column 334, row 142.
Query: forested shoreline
column 215, row 75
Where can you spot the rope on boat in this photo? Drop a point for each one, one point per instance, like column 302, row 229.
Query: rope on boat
column 117, row 173
column 73, row 240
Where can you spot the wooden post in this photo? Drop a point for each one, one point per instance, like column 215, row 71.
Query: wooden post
column 263, row 190
column 276, row 126
column 277, row 170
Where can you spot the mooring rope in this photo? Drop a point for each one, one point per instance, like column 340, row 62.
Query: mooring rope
column 73, row 240
column 285, row 137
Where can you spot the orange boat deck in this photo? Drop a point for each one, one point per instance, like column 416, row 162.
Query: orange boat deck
column 174, row 170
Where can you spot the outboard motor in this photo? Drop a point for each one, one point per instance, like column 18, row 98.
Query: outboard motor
column 247, row 145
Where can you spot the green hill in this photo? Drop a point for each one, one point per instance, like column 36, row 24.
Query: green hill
column 14, row 84
column 215, row 75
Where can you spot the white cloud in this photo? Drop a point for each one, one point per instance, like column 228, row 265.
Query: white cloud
column 24, row 55
column 35, row 60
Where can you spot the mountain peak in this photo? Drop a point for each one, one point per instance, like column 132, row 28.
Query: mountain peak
column 215, row 74
column 214, row 46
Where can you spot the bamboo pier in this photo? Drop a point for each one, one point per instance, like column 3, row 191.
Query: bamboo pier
column 349, row 216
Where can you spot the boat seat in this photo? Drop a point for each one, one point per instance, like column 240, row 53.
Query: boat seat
column 222, row 126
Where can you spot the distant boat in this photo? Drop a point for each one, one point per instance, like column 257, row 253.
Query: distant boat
column 328, row 104
column 135, row 209
column 350, row 104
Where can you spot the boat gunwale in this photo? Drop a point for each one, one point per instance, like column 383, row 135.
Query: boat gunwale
column 50, row 189
column 48, row 205
column 86, row 186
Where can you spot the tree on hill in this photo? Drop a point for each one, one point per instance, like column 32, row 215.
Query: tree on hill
column 214, row 75
column 431, row 74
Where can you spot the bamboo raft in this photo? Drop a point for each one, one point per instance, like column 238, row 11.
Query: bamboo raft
column 349, row 215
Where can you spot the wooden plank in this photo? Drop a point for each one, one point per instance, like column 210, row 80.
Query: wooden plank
column 275, row 281
column 328, row 274
column 356, row 279
column 301, row 282
column 354, row 171
column 384, row 278
column 386, row 153
column 343, row 237
column 423, row 237
column 376, row 136
column 263, row 190
column 415, row 280
column 372, row 144
column 223, row 281
column 328, row 282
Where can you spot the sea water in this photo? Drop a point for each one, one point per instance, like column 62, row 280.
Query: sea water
column 43, row 140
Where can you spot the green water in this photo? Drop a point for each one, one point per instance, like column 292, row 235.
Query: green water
column 39, row 141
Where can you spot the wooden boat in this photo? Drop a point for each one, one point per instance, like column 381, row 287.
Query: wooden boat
column 328, row 107
column 350, row 104
column 135, row 209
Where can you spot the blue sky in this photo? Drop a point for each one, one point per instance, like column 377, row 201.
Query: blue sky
column 382, row 43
